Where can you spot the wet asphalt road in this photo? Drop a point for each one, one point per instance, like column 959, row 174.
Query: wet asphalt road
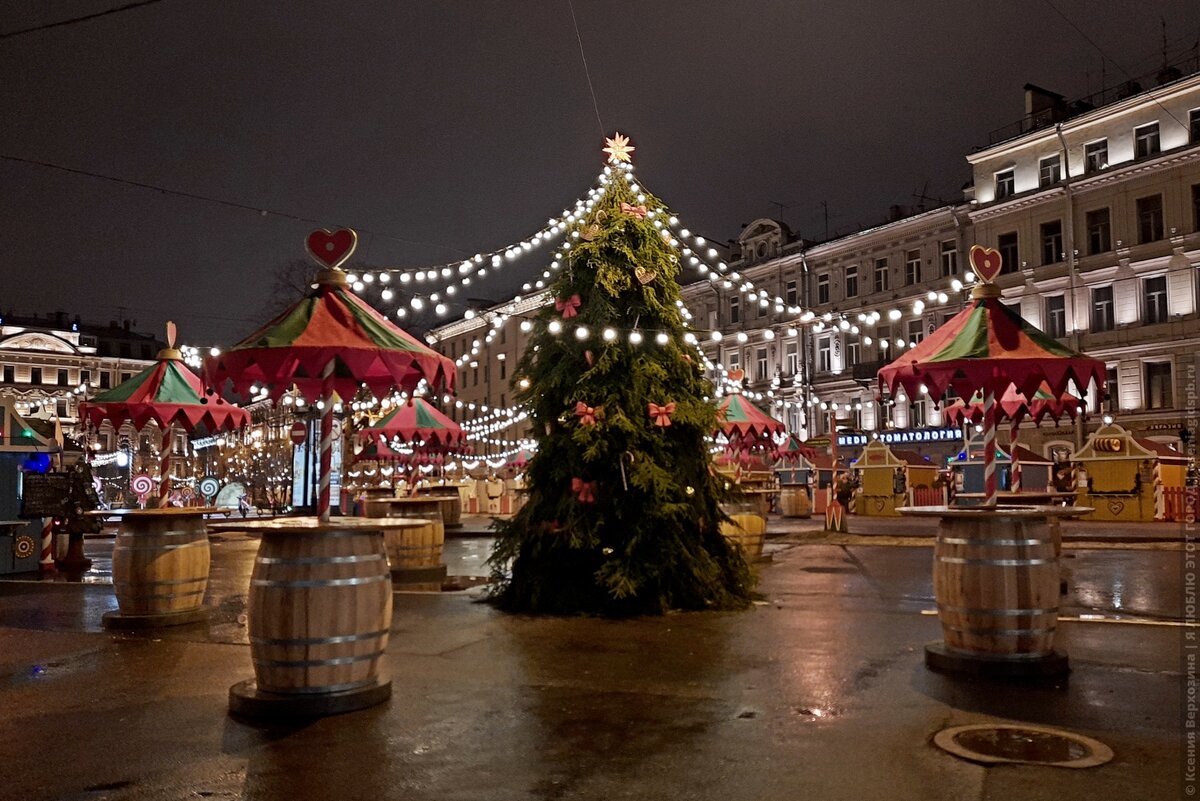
column 818, row 692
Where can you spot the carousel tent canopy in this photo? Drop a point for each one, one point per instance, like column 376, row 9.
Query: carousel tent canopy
column 742, row 419
column 1015, row 406
column 416, row 421
column 330, row 323
column 988, row 344
column 167, row 392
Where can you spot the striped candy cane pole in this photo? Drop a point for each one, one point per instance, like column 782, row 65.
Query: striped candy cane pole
column 323, row 499
column 989, row 447
column 46, row 562
column 164, row 468
column 1015, row 464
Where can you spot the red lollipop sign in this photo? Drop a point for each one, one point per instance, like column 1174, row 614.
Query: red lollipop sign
column 331, row 248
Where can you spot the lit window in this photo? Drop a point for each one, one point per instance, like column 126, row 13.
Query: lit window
column 1049, row 171
column 1006, row 184
column 1146, row 141
column 1095, row 156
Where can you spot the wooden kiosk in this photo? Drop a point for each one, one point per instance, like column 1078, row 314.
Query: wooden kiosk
column 1127, row 478
column 886, row 478
column 1037, row 475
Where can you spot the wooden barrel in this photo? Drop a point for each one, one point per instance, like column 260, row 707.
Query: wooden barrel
column 452, row 504
column 414, row 553
column 995, row 578
column 320, row 609
column 793, row 501
column 160, row 562
column 745, row 527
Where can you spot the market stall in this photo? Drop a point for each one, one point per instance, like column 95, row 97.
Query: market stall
column 20, row 444
column 795, row 473
column 1037, row 475
column 885, row 476
column 1129, row 479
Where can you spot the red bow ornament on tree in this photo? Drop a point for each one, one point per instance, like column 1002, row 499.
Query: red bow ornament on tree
column 567, row 308
column 585, row 491
column 661, row 415
column 587, row 414
column 633, row 211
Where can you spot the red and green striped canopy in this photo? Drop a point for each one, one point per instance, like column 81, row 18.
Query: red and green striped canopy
column 520, row 458
column 988, row 346
column 794, row 450
column 379, row 451
column 166, row 392
column 1014, row 406
column 744, row 424
column 331, row 324
column 416, row 422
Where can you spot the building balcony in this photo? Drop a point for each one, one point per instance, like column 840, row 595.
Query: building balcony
column 867, row 371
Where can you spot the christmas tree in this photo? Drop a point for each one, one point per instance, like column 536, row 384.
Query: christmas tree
column 623, row 507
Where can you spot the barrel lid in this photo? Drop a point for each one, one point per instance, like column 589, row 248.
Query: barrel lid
column 163, row 511
column 994, row 512
column 314, row 525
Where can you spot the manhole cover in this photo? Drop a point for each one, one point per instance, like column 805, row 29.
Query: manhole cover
column 994, row 743
column 825, row 569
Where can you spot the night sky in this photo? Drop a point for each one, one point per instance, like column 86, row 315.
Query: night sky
column 441, row 129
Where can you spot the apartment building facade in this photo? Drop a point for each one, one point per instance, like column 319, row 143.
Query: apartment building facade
column 1097, row 214
column 49, row 364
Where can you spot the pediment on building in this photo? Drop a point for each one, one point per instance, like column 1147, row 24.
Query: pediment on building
column 759, row 229
column 38, row 341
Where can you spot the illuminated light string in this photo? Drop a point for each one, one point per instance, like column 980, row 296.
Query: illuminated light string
column 846, row 322
column 704, row 258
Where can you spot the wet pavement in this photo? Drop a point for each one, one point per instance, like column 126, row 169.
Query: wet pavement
column 818, row 692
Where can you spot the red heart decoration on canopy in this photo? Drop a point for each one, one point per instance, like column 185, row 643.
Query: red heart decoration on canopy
column 986, row 262
column 331, row 248
column 737, row 375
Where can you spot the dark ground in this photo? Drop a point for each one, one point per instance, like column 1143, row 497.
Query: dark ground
column 818, row 692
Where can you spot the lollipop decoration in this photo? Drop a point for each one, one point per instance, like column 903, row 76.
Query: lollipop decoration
column 209, row 487
column 142, row 485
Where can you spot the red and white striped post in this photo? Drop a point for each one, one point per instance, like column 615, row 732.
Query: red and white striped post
column 164, row 468
column 326, row 465
column 989, row 446
column 1015, row 464
column 46, row 562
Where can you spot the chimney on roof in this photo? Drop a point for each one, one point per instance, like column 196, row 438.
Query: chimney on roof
column 126, row 322
column 1043, row 107
column 1168, row 74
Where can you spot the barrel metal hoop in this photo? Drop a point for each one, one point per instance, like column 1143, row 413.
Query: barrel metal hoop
column 320, row 560
column 966, row 610
column 370, row 635
column 969, row 541
column 342, row 582
column 164, row 583
column 139, row 535
column 159, row 548
column 986, row 632
column 163, row 595
column 958, row 560
column 307, row 663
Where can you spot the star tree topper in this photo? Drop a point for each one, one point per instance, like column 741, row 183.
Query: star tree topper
column 618, row 148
